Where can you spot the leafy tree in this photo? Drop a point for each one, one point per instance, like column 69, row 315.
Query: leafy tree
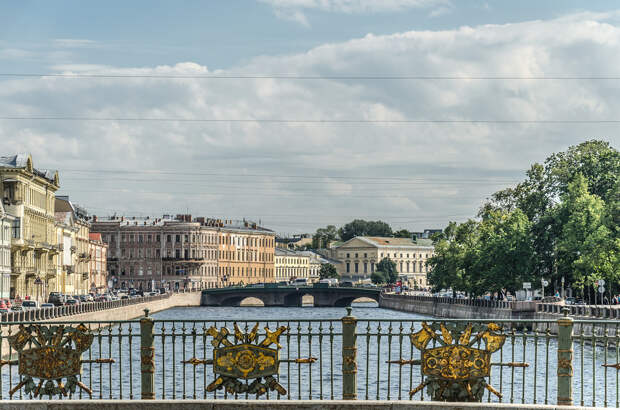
column 587, row 248
column 378, row 278
column 504, row 253
column 324, row 236
column 403, row 233
column 360, row 227
column 328, row 271
column 452, row 265
column 387, row 267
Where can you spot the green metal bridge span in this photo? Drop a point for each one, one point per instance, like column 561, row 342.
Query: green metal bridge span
column 288, row 295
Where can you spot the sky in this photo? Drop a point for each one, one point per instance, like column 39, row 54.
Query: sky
column 303, row 113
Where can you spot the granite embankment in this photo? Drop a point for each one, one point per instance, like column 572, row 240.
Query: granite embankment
column 458, row 308
column 594, row 317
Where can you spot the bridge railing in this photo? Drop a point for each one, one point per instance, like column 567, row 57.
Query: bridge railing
column 552, row 361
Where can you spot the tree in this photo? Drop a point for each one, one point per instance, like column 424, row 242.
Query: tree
column 452, row 265
column 360, row 227
column 403, row 233
column 324, row 236
column 587, row 247
column 504, row 252
column 378, row 278
column 387, row 267
column 328, row 271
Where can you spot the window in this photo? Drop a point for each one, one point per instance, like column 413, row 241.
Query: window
column 348, row 255
column 168, row 238
column 177, row 238
column 356, row 255
column 365, row 267
column 140, row 238
column 348, row 267
column 365, row 255
column 356, row 267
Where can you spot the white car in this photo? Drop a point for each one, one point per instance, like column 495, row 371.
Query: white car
column 30, row 305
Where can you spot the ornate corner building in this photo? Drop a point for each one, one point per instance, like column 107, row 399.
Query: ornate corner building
column 28, row 195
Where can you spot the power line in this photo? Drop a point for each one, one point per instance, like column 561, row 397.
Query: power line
column 306, row 77
column 253, row 175
column 303, row 121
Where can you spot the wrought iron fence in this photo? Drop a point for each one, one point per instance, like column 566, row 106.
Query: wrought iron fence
column 524, row 361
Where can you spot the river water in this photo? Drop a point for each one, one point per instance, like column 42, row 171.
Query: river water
column 382, row 335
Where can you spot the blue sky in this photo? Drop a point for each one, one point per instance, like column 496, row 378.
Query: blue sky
column 221, row 34
column 296, row 177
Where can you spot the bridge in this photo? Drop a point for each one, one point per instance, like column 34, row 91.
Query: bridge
column 287, row 295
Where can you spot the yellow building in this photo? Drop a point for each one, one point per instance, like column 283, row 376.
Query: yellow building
column 28, row 196
column 73, row 231
column 245, row 253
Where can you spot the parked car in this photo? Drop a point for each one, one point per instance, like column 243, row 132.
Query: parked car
column 346, row 284
column 57, row 298
column 47, row 305
column 30, row 305
column 123, row 297
column 17, row 309
column 4, row 311
column 72, row 301
column 154, row 294
column 8, row 303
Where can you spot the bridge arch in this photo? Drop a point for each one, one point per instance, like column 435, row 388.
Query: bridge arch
column 348, row 300
column 235, row 301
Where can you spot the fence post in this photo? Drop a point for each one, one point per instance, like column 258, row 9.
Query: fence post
column 349, row 357
column 565, row 360
column 147, row 355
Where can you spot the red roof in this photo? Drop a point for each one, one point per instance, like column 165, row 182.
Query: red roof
column 95, row 237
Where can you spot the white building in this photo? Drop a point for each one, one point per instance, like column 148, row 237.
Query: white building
column 359, row 257
column 6, row 222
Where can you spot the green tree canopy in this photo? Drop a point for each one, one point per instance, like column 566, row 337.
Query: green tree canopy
column 403, row 233
column 360, row 227
column 328, row 271
column 378, row 278
column 324, row 236
column 560, row 222
column 387, row 267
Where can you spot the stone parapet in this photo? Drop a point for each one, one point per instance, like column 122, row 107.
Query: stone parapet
column 264, row 404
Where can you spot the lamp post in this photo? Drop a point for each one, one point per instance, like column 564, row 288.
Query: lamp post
column 563, row 292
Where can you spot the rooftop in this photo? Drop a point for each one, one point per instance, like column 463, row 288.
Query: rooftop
column 23, row 160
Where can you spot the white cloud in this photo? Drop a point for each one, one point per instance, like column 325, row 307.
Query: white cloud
column 293, row 9
column 353, row 6
column 259, row 158
column 73, row 43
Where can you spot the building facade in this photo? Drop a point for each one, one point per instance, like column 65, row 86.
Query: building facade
column 28, row 195
column 152, row 253
column 246, row 253
column 6, row 223
column 97, row 266
column 73, row 231
column 359, row 256
column 290, row 265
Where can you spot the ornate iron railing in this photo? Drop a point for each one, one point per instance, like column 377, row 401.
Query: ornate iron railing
column 525, row 361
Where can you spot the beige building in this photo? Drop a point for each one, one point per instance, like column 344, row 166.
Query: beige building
column 359, row 256
column 28, row 195
column 73, row 231
column 290, row 265
column 97, row 266
column 150, row 253
column 245, row 253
